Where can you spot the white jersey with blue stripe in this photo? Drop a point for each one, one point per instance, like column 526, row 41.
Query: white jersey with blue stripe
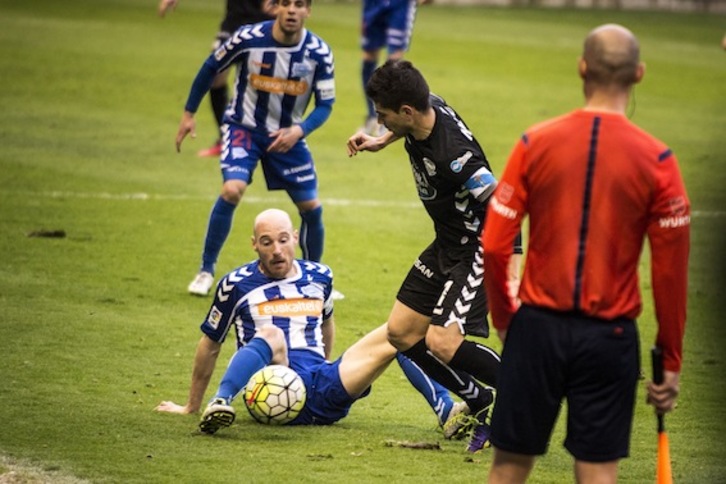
column 246, row 299
column 275, row 82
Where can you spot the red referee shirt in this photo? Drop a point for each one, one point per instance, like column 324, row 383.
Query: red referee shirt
column 594, row 185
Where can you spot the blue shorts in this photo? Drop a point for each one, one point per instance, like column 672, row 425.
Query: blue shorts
column 293, row 171
column 326, row 401
column 387, row 23
column 591, row 363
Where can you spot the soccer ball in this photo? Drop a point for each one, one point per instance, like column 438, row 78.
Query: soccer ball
column 275, row 395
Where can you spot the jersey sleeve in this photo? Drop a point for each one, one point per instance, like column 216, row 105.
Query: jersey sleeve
column 669, row 238
column 323, row 86
column 218, row 61
column 506, row 209
column 220, row 317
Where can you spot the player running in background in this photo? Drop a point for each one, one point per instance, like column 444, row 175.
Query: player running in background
column 237, row 14
column 384, row 24
column 442, row 298
column 280, row 66
column 282, row 313
column 594, row 185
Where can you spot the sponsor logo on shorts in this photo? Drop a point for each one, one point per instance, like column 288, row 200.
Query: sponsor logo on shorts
column 239, row 152
column 297, row 169
column 428, row 273
column 290, row 308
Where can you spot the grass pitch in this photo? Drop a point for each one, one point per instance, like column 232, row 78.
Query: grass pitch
column 97, row 328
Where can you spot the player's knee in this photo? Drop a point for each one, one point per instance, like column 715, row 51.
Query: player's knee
column 232, row 191
column 441, row 345
column 397, row 339
column 274, row 337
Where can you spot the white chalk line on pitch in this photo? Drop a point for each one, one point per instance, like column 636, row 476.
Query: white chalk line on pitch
column 247, row 199
column 341, row 202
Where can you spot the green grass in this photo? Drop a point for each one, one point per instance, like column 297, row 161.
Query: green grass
column 97, row 328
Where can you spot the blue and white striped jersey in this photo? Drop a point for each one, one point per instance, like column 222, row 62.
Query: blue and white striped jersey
column 274, row 83
column 246, row 299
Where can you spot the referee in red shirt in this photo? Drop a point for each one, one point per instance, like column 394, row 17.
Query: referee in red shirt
column 594, row 186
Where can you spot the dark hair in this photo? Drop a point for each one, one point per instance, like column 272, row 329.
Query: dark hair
column 396, row 83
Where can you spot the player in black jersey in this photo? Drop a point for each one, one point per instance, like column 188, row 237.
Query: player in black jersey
column 236, row 14
column 442, row 297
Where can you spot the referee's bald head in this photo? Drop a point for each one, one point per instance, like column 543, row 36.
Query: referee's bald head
column 612, row 56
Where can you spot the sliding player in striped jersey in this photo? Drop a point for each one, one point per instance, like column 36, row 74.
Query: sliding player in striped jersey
column 281, row 66
column 282, row 313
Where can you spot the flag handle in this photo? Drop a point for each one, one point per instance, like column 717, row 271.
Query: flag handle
column 657, row 360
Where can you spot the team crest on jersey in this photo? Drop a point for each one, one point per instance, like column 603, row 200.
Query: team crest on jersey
column 301, row 69
column 430, row 166
column 425, row 190
column 215, row 316
column 313, row 290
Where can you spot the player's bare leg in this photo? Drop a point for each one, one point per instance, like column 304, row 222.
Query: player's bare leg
column 363, row 362
column 509, row 468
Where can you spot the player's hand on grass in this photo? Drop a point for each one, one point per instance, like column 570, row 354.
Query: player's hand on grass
column 187, row 126
column 165, row 6
column 171, row 407
column 663, row 396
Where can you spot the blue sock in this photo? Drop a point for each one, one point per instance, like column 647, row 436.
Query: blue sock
column 254, row 356
column 312, row 234
column 220, row 223
column 366, row 73
column 436, row 395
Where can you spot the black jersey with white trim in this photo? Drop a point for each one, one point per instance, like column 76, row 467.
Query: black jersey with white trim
column 453, row 178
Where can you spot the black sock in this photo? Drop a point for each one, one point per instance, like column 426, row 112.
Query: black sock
column 219, row 99
column 478, row 360
column 462, row 384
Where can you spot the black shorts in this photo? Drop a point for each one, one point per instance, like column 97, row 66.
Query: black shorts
column 242, row 12
column 447, row 285
column 591, row 363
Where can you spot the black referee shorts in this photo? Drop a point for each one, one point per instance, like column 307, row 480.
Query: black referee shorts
column 592, row 364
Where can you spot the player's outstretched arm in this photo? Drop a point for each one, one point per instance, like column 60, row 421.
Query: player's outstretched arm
column 361, row 141
column 187, row 126
column 204, row 362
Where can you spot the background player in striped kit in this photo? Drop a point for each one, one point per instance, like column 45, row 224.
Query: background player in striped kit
column 442, row 297
column 237, row 13
column 384, row 24
column 282, row 313
column 280, row 67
